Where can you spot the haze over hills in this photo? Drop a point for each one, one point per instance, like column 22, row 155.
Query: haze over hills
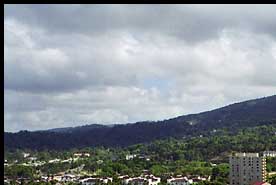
column 232, row 117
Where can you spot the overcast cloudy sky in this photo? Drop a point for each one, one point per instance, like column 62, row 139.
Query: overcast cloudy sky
column 69, row 65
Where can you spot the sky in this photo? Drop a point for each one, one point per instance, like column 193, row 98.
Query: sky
column 71, row 65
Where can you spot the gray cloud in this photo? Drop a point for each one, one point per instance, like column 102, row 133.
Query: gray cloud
column 188, row 22
column 67, row 65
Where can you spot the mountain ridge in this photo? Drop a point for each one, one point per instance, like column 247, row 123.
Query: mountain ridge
column 95, row 125
column 234, row 116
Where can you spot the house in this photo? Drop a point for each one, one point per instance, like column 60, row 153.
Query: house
column 54, row 161
column 6, row 163
column 77, row 154
column 68, row 178
column 147, row 179
column 130, row 156
column 152, row 180
column 44, row 178
column 92, row 181
column 6, row 180
column 81, row 155
column 213, row 164
column 196, row 179
column 147, row 158
column 89, row 181
column 136, row 181
column 86, row 155
column 261, row 183
column 179, row 181
column 35, row 163
column 57, row 178
column 67, row 160
column 123, row 178
column 25, row 155
column 32, row 158
column 23, row 180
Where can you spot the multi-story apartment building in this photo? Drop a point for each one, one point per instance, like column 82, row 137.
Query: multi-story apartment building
column 247, row 168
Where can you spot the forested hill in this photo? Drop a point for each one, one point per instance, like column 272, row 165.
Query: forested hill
column 233, row 117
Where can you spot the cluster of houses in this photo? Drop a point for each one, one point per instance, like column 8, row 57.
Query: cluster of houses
column 63, row 178
column 32, row 161
column 92, row 181
column 143, row 179
column 186, row 180
column 133, row 156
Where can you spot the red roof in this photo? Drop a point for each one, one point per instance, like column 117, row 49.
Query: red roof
column 258, row 183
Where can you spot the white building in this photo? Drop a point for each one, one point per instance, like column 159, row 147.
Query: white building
column 68, row 178
column 147, row 179
column 269, row 153
column 67, row 160
column 26, row 154
column 58, row 178
column 197, row 179
column 37, row 163
column 81, row 154
column 54, row 161
column 86, row 155
column 77, row 154
column 134, row 180
column 179, row 181
column 6, row 163
column 152, row 180
column 44, row 178
column 130, row 156
column 32, row 158
column 92, row 181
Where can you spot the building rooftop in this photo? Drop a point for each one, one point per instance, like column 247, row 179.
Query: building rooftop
column 247, row 154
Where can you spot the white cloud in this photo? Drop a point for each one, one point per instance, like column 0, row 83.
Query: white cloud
column 127, row 73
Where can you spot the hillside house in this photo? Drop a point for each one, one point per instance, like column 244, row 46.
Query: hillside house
column 130, row 156
column 81, row 155
column 179, row 181
column 92, row 181
column 142, row 180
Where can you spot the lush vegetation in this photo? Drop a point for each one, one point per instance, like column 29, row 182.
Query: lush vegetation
column 271, row 164
column 171, row 156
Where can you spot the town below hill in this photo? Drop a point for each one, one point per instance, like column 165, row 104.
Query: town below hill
column 110, row 166
column 192, row 149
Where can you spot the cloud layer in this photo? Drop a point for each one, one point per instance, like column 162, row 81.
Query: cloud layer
column 67, row 65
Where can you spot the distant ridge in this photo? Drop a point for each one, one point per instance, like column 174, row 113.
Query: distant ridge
column 250, row 113
column 72, row 129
